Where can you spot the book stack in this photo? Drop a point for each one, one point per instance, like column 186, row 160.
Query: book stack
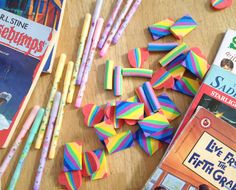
column 204, row 146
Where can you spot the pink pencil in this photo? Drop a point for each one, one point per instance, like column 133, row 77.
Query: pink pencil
column 89, row 63
column 19, row 139
column 115, row 28
column 126, row 21
column 110, row 23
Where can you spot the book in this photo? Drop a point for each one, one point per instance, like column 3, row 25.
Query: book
column 202, row 157
column 226, row 55
column 24, row 48
column 46, row 12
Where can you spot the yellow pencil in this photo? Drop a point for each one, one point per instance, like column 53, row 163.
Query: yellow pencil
column 56, row 81
column 61, row 110
column 83, row 38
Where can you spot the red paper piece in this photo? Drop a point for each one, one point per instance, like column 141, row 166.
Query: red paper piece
column 110, row 115
column 221, row 4
column 137, row 57
column 90, row 163
column 131, row 122
column 93, row 114
column 71, row 180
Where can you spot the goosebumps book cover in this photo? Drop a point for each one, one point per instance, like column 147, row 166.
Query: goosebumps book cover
column 46, row 12
column 202, row 158
column 22, row 52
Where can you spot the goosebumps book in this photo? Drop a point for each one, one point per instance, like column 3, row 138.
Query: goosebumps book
column 202, row 158
column 24, row 48
column 46, row 12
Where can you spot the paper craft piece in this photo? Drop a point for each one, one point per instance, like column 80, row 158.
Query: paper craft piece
column 183, row 26
column 161, row 29
column 160, row 47
column 133, row 72
column 90, row 163
column 93, row 114
column 133, row 99
column 164, row 135
column 103, row 170
column 137, row 57
column 186, row 86
column 119, row 142
column 72, row 156
column 118, row 81
column 129, row 110
column 162, row 79
column 108, row 79
column 168, row 107
column 154, row 123
column 110, row 113
column 151, row 97
column 175, row 68
column 70, row 180
column 148, row 144
column 104, row 130
column 221, row 4
column 130, row 121
column 164, row 61
column 196, row 63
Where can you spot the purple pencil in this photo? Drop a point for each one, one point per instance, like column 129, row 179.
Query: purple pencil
column 126, row 21
column 47, row 140
column 89, row 40
column 110, row 23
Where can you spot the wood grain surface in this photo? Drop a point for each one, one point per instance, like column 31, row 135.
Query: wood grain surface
column 129, row 169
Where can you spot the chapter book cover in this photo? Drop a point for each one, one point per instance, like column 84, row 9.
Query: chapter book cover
column 46, row 12
column 202, row 158
column 24, row 46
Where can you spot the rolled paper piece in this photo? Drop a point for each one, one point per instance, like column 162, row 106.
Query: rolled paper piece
column 151, row 97
column 29, row 141
column 89, row 41
column 164, row 61
column 71, row 180
column 160, row 47
column 119, row 142
column 18, row 141
column 104, row 130
column 129, row 110
column 60, row 116
column 58, row 74
column 108, row 79
column 83, row 38
column 110, row 23
column 115, row 28
column 90, row 164
column 126, row 21
column 162, row 79
column 154, row 123
column 142, row 97
column 175, row 68
column 183, row 26
column 148, row 144
column 187, row 86
column 133, row 72
column 93, row 114
column 161, row 29
column 118, row 81
column 47, row 140
column 168, row 107
column 103, row 171
column 72, row 156
column 137, row 57
column 110, row 115
column 221, row 4
column 196, row 63
column 164, row 135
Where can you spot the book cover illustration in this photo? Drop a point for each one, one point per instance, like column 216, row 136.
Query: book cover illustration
column 23, row 44
column 202, row 158
column 46, row 12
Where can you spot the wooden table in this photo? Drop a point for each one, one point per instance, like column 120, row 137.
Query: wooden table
column 129, row 169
